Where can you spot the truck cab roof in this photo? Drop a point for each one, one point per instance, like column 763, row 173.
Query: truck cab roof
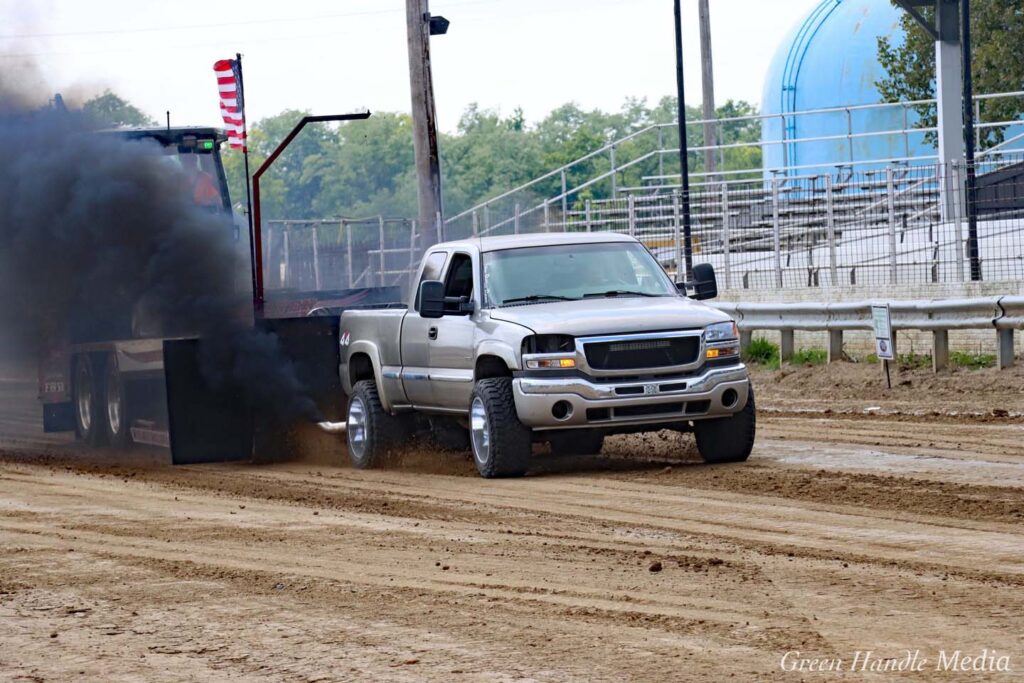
column 544, row 239
column 168, row 136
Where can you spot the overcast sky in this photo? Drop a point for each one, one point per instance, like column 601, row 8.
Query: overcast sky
column 333, row 56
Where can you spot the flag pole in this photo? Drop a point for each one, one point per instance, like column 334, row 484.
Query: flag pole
column 245, row 155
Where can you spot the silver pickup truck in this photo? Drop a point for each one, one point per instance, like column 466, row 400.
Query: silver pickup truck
column 564, row 338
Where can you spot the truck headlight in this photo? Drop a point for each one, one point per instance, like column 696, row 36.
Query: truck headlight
column 719, row 332
column 722, row 340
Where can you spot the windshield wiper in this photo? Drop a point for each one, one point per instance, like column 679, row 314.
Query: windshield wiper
column 618, row 292
column 537, row 297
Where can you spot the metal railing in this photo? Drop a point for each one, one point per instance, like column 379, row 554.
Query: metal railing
column 340, row 253
column 1001, row 314
column 643, row 154
column 881, row 227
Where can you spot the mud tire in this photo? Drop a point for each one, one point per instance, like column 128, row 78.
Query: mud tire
column 728, row 439
column 373, row 435
column 506, row 452
column 116, row 428
column 87, row 399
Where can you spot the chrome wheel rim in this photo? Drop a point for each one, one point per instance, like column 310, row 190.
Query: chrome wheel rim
column 114, row 404
column 83, row 397
column 480, row 431
column 356, row 428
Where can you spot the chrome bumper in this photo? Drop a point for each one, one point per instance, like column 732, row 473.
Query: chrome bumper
column 594, row 404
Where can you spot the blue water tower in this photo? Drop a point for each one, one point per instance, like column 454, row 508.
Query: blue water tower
column 830, row 59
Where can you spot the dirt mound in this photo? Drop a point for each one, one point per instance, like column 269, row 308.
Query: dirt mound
column 862, row 385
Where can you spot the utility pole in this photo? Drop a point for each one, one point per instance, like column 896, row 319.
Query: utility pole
column 424, row 121
column 707, row 81
column 684, row 165
column 973, row 253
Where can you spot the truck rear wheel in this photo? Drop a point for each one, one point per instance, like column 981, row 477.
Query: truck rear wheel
column 115, row 413
column 371, row 432
column 500, row 442
column 728, row 439
column 88, row 393
column 577, row 442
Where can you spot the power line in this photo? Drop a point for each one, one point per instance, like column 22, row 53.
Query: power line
column 252, row 22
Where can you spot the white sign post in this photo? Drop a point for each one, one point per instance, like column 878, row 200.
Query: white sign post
column 882, row 324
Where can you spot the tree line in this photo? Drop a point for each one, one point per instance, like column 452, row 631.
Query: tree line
column 365, row 168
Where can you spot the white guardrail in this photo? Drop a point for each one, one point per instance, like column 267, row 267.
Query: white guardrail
column 1003, row 314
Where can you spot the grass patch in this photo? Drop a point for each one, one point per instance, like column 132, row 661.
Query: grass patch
column 957, row 359
column 971, row 361
column 762, row 352
column 914, row 361
column 809, row 357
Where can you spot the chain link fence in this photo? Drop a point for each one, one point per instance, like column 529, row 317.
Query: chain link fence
column 340, row 253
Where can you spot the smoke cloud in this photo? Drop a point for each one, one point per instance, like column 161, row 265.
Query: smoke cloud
column 98, row 233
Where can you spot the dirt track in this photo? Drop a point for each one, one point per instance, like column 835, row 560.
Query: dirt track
column 844, row 532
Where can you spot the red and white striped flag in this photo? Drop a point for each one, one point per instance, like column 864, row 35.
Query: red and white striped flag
column 232, row 107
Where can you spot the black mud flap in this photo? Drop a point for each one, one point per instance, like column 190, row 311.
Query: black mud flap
column 204, row 425
column 58, row 417
column 312, row 345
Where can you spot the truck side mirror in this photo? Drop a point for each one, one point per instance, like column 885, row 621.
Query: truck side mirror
column 432, row 299
column 704, row 285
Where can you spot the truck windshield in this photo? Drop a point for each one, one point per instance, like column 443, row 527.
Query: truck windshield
column 572, row 271
column 200, row 169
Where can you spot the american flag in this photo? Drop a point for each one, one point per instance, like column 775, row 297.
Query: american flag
column 232, row 106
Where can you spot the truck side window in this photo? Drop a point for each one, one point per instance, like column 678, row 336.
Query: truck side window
column 459, row 282
column 432, row 268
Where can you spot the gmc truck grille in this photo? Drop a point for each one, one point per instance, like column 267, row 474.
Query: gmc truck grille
column 635, row 354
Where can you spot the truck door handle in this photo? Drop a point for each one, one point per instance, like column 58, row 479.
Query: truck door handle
column 432, row 333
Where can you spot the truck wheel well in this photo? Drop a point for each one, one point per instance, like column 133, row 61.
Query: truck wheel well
column 360, row 367
column 490, row 366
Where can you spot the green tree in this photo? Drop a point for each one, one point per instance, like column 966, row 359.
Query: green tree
column 367, row 169
column 288, row 189
column 998, row 65
column 112, row 110
column 487, row 155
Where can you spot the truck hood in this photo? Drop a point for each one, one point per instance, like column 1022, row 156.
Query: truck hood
column 611, row 315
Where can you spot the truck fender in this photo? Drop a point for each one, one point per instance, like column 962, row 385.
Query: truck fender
column 504, row 351
column 371, row 350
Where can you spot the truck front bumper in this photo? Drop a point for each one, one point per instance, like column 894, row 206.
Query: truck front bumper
column 576, row 402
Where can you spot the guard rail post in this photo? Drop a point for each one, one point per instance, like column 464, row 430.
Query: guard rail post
column 1012, row 316
column 1004, row 347
column 786, row 344
column 835, row 346
column 940, row 349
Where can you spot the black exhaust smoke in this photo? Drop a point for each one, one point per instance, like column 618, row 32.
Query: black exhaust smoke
column 98, row 232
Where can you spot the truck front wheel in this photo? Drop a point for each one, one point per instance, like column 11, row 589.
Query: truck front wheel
column 727, row 439
column 372, row 433
column 500, row 442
